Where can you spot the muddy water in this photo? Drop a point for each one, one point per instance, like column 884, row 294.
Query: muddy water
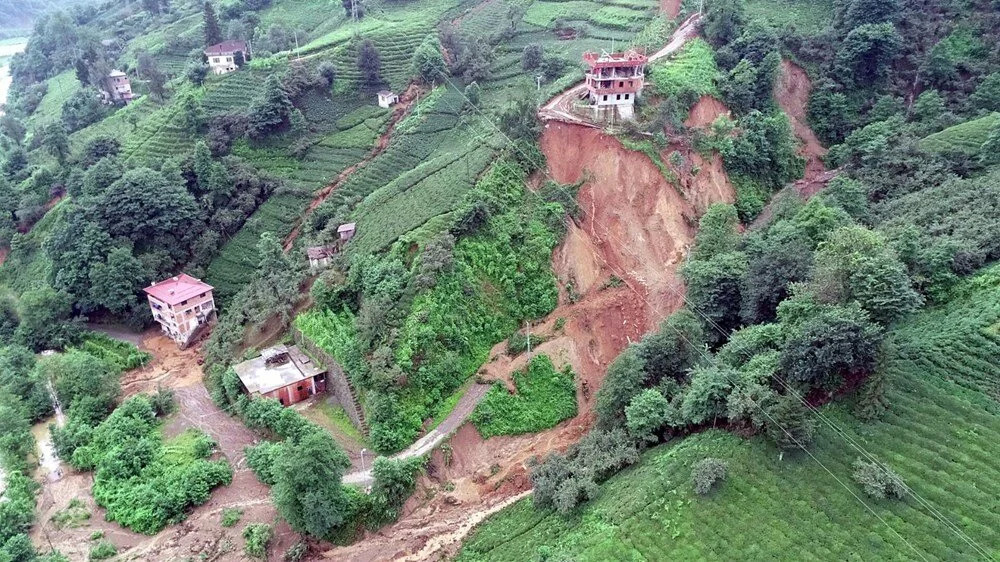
column 49, row 466
column 7, row 50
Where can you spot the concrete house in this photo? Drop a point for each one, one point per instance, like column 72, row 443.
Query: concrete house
column 284, row 373
column 387, row 98
column 227, row 56
column 117, row 88
column 615, row 79
column 183, row 306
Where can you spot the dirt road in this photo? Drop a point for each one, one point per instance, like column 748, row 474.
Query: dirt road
column 561, row 107
column 466, row 404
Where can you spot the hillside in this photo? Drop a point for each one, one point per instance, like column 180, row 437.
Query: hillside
column 942, row 420
column 446, row 295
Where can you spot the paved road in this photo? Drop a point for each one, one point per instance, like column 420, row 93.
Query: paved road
column 560, row 108
column 466, row 404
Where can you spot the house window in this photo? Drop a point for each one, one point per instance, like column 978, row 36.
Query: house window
column 620, row 84
column 215, row 59
column 605, row 97
column 626, row 96
column 618, row 96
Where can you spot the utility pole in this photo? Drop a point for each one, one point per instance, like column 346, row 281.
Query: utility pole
column 538, row 79
column 354, row 10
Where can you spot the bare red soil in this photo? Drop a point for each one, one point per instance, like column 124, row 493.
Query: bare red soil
column 637, row 227
column 672, row 8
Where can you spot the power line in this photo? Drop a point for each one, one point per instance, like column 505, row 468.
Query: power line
column 711, row 360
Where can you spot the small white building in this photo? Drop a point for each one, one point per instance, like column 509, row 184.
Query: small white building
column 346, row 231
column 387, row 98
column 227, row 56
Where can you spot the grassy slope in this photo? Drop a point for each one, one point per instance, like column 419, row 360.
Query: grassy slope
column 940, row 436
column 806, row 15
column 965, row 138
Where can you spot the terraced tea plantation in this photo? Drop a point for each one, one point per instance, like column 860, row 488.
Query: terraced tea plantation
column 939, row 435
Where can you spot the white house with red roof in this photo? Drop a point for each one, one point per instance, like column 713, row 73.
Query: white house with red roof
column 182, row 306
column 227, row 56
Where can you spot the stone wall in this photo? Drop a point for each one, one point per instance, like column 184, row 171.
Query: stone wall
column 337, row 383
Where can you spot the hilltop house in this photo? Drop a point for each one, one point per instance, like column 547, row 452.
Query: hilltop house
column 182, row 306
column 615, row 80
column 227, row 56
column 284, row 373
column 387, row 98
column 117, row 88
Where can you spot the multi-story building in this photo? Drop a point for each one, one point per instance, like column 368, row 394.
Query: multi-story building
column 227, row 56
column 182, row 306
column 117, row 88
column 615, row 79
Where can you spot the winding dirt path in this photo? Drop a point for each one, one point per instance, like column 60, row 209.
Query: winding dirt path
column 401, row 110
column 466, row 404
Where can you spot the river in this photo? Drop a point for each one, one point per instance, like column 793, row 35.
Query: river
column 8, row 48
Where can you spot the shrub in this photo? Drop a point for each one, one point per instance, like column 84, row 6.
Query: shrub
column 544, row 398
column 103, row 550
column 231, row 516
column 706, row 473
column 878, row 481
column 258, row 536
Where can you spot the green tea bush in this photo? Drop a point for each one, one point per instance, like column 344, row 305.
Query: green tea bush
column 707, row 473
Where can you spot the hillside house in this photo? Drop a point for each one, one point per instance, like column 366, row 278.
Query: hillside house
column 346, row 231
column 284, row 373
column 117, row 88
column 615, row 80
column 183, row 306
column 227, row 56
column 386, row 99
column 320, row 257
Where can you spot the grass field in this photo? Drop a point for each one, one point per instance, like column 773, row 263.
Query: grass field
column 965, row 138
column 805, row 15
column 61, row 87
column 692, row 69
column 939, row 435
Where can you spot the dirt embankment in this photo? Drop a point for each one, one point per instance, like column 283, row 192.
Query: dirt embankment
column 791, row 91
column 636, row 228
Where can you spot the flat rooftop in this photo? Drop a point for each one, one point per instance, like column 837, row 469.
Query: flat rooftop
column 258, row 376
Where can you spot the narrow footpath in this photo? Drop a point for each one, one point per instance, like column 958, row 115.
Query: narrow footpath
column 466, row 405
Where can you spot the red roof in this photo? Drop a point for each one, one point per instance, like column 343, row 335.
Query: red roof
column 177, row 289
column 226, row 48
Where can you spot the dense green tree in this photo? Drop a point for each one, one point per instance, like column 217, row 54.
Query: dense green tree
column 369, row 63
column 45, row 315
column 56, row 141
column 986, row 98
column 674, row 348
column 16, row 440
column 723, row 20
column 307, row 489
column 857, row 265
column 622, row 382
column 328, row 72
column 143, row 206
column 776, row 261
column 196, row 72
column 868, row 52
column 116, row 282
column 718, row 232
column 191, row 112
column 82, row 108
column 826, row 349
column 764, row 149
column 531, row 56
column 428, row 63
column 82, row 382
column 271, row 111
column 713, row 292
column 704, row 399
column 98, row 148
column 790, row 424
column 210, row 25
column 647, row 414
column 863, row 12
column 12, row 128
